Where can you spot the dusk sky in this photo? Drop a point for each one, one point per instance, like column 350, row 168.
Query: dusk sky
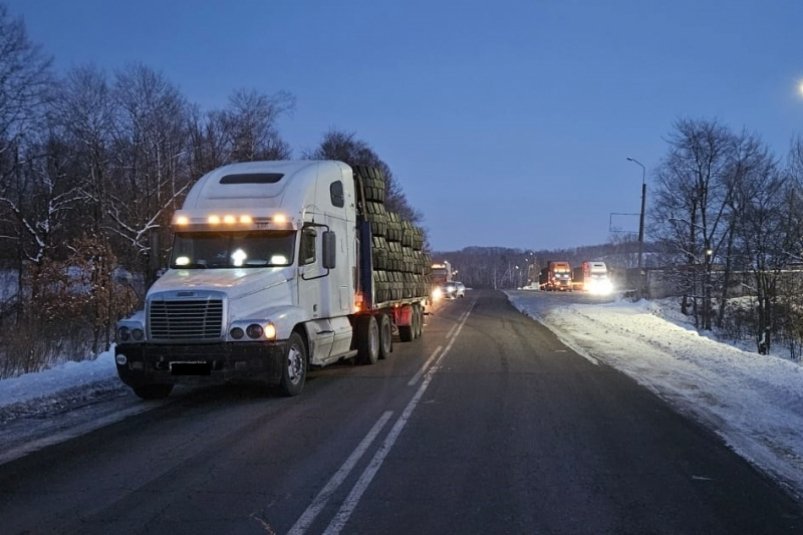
column 507, row 123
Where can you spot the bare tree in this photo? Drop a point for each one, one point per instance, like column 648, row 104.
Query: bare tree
column 82, row 116
column 152, row 161
column 24, row 81
column 244, row 131
column 40, row 199
column 789, row 293
column 762, row 230
column 751, row 165
column 692, row 199
column 207, row 142
column 249, row 126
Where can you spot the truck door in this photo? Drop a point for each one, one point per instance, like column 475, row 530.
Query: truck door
column 311, row 272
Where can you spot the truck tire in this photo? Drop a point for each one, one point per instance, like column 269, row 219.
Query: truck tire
column 418, row 317
column 367, row 340
column 406, row 332
column 158, row 391
column 385, row 336
column 294, row 366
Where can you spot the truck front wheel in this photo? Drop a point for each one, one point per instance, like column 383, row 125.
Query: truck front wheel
column 294, row 366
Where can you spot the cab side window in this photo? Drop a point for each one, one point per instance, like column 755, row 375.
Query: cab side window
column 336, row 194
column 306, row 253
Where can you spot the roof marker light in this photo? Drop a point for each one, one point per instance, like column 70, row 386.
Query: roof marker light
column 280, row 219
column 182, row 220
column 246, row 219
column 214, row 220
column 229, row 219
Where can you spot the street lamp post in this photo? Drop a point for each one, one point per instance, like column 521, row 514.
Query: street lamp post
column 641, row 215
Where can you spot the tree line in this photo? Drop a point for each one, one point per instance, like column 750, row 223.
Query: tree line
column 92, row 166
column 730, row 213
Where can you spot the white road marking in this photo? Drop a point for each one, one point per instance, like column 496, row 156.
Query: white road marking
column 449, row 334
column 423, row 369
column 308, row 517
column 351, row 501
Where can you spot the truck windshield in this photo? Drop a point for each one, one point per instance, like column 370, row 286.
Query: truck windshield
column 208, row 250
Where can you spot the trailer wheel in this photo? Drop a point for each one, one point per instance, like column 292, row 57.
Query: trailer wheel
column 406, row 333
column 420, row 320
column 294, row 366
column 367, row 340
column 416, row 322
column 385, row 336
column 158, row 391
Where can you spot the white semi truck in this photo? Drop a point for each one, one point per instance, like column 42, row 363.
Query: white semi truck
column 592, row 277
column 275, row 267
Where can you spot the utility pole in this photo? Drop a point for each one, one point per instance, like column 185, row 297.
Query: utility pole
column 642, row 274
column 641, row 215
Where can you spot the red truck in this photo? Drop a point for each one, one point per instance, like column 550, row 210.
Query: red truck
column 557, row 276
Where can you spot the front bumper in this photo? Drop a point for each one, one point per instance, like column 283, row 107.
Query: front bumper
column 147, row 364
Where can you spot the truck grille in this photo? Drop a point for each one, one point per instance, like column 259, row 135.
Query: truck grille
column 199, row 319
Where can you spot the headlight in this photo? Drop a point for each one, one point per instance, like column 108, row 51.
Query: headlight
column 437, row 293
column 138, row 334
column 123, row 334
column 270, row 331
column 254, row 331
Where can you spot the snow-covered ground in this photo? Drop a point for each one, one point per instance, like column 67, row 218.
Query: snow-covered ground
column 754, row 402
column 27, row 388
column 39, row 409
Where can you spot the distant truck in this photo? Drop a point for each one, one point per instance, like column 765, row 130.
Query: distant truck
column 441, row 273
column 592, row 277
column 556, row 276
column 276, row 266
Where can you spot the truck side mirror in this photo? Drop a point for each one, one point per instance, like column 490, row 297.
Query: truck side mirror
column 329, row 249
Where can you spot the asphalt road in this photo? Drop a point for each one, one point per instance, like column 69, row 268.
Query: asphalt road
column 487, row 424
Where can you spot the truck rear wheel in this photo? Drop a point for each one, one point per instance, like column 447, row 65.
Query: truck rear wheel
column 158, row 391
column 418, row 321
column 406, row 332
column 367, row 340
column 385, row 336
column 294, row 366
